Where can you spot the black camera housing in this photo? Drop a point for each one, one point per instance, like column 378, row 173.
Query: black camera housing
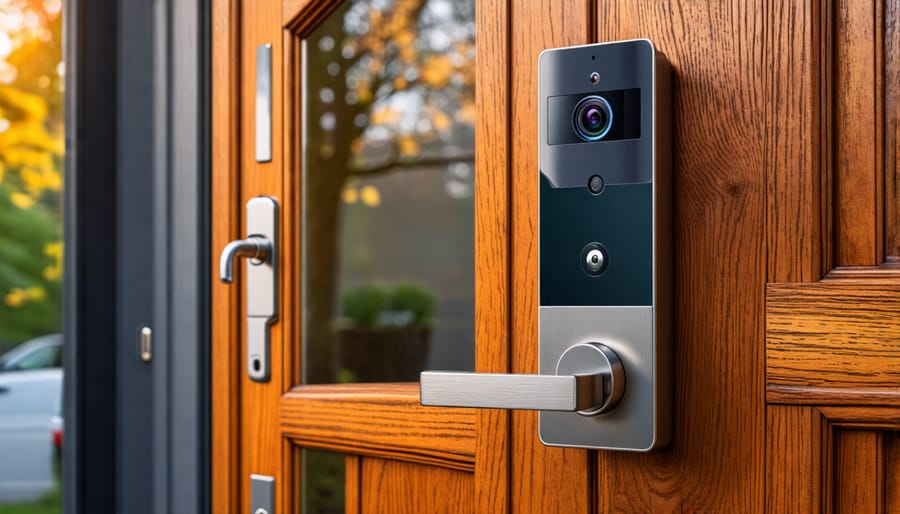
column 625, row 106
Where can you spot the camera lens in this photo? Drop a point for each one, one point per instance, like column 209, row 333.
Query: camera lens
column 593, row 118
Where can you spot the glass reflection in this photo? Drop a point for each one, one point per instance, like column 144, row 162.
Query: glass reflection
column 388, row 191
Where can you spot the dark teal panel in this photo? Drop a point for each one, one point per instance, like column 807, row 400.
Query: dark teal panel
column 621, row 219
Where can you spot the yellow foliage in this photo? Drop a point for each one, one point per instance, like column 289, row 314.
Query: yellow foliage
column 386, row 116
column 407, row 145
column 55, row 252
column 440, row 120
column 466, row 113
column 437, row 70
column 399, row 84
column 370, row 196
column 357, row 145
column 21, row 200
column 363, row 93
column 35, row 293
column 52, row 273
column 349, row 195
column 15, row 297
column 38, row 180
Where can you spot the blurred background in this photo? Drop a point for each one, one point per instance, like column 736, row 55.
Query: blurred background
column 31, row 164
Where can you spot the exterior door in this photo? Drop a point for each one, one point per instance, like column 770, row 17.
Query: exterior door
column 787, row 278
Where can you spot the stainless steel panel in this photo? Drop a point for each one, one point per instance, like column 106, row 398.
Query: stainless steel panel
column 262, row 286
column 262, row 494
column 264, row 103
column 260, row 249
column 629, row 332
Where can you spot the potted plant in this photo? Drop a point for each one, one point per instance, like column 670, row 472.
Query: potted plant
column 385, row 332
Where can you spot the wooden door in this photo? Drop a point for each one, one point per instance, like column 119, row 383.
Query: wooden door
column 786, row 249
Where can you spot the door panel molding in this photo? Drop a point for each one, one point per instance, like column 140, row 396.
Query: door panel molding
column 379, row 420
column 831, row 459
column 835, row 337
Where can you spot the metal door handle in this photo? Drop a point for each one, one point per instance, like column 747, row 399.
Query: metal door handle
column 256, row 248
column 260, row 248
column 589, row 379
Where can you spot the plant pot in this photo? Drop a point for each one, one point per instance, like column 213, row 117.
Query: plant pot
column 383, row 354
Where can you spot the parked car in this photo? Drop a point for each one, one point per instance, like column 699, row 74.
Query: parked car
column 38, row 353
column 30, row 422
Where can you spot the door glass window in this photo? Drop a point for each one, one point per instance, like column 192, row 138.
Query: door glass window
column 31, row 160
column 388, row 165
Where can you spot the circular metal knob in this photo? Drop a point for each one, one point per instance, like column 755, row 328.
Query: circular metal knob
column 594, row 259
column 590, row 359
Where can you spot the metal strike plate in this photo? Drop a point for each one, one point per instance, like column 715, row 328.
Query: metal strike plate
column 262, row 494
column 264, row 103
column 262, row 290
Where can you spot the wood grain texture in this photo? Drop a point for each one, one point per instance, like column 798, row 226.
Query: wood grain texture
column 543, row 479
column 870, row 418
column 722, row 78
column 858, row 174
column 863, row 275
column 352, row 484
column 492, row 244
column 262, row 448
column 383, row 420
column 393, row 487
column 225, row 361
column 892, row 128
column 892, row 472
column 817, row 395
column 798, row 456
column 859, row 472
column 833, row 335
column 796, row 75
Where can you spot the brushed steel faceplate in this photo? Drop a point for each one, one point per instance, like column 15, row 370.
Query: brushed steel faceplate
column 628, row 331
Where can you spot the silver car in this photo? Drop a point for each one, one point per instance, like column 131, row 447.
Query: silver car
column 30, row 399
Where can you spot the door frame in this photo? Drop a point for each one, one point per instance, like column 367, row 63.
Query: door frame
column 136, row 221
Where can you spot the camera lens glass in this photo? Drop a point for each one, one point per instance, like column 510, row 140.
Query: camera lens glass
column 593, row 118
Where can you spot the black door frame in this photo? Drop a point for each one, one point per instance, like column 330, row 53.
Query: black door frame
column 136, row 254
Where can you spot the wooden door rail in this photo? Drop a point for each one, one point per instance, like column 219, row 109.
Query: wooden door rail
column 379, row 420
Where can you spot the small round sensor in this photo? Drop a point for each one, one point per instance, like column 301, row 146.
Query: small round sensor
column 594, row 77
column 594, row 259
column 595, row 184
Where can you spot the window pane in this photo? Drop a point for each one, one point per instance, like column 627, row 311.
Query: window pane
column 31, row 157
column 388, row 224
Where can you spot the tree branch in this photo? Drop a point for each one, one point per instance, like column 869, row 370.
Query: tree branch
column 426, row 162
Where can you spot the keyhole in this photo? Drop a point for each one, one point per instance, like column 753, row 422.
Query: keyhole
column 256, row 365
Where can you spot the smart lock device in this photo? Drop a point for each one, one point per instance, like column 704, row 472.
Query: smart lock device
column 605, row 248
column 605, row 257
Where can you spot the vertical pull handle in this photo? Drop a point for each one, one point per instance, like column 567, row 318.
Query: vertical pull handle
column 261, row 249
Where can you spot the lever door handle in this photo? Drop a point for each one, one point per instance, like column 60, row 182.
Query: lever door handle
column 257, row 249
column 260, row 247
column 589, row 379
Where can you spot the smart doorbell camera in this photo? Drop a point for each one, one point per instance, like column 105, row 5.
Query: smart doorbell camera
column 605, row 222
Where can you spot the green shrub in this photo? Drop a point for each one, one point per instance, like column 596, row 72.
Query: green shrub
column 362, row 305
column 413, row 298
